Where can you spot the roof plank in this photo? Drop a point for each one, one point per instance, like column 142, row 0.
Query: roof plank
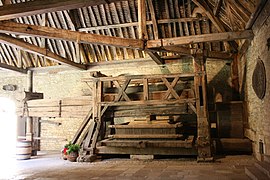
column 11, row 11
column 17, row 43
column 12, row 68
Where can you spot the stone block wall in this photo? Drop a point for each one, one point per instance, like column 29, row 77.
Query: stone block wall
column 258, row 110
column 57, row 83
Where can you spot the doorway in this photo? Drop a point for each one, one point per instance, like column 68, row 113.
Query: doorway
column 8, row 128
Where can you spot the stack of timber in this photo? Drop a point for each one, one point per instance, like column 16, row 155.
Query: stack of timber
column 75, row 107
column 156, row 137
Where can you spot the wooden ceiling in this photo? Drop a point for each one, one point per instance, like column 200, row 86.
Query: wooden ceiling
column 79, row 33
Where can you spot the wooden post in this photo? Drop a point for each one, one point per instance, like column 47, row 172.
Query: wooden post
column 29, row 120
column 142, row 18
column 145, row 89
column 98, row 118
column 203, row 125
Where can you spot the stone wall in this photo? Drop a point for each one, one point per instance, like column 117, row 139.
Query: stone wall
column 258, row 110
column 61, row 83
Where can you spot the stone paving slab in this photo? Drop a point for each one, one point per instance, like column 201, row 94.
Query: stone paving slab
column 52, row 167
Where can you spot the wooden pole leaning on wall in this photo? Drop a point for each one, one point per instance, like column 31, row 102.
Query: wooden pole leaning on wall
column 203, row 125
column 29, row 120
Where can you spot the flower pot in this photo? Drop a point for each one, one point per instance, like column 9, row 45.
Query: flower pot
column 64, row 153
column 72, row 157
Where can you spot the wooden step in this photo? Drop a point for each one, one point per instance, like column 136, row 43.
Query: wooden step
column 146, row 126
column 146, row 136
column 145, row 151
column 187, row 143
column 264, row 167
column 255, row 174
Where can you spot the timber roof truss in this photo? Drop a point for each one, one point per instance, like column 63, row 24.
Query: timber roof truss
column 78, row 33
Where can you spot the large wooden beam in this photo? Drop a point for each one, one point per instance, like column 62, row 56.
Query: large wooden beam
column 12, row 68
column 17, row 43
column 156, row 57
column 226, row 36
column 217, row 23
column 61, row 34
column 30, row 8
column 142, row 19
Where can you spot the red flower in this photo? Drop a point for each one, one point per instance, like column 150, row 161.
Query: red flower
column 65, row 151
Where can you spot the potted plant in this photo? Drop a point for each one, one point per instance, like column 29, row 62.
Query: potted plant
column 64, row 151
column 73, row 152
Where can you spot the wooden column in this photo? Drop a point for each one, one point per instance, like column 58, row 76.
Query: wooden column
column 203, row 125
column 29, row 120
column 98, row 116
column 142, row 19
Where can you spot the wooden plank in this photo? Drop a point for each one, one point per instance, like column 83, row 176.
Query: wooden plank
column 179, row 110
column 150, row 102
column 145, row 89
column 146, row 136
column 148, row 143
column 63, row 109
column 43, row 103
column 82, row 127
column 142, row 19
column 146, row 126
column 91, row 130
column 153, row 76
column 17, row 43
column 12, row 68
column 77, row 101
column 213, row 37
column 153, row 18
column 74, row 101
column 67, row 35
column 99, row 118
column 150, row 150
column 30, row 8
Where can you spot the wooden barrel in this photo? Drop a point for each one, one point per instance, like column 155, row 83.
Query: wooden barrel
column 23, row 150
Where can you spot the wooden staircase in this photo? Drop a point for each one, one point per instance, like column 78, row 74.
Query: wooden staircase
column 260, row 170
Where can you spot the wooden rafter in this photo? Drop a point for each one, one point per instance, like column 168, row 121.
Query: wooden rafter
column 256, row 13
column 160, row 21
column 12, row 68
column 204, row 6
column 183, row 51
column 217, row 7
column 37, row 50
column 156, row 57
column 11, row 11
column 61, row 34
column 226, row 36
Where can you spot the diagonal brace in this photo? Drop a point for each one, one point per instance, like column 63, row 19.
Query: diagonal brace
column 170, row 88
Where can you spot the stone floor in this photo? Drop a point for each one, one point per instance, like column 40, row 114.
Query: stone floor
column 50, row 166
